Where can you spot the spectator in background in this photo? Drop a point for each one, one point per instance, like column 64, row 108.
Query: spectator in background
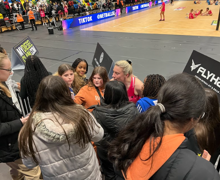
column 71, row 9
column 26, row 6
column 32, row 19
column 7, row 7
column 42, row 14
column 20, row 20
column 123, row 72
column 48, row 10
column 38, row 3
column 16, row 5
column 114, row 113
column 3, row 10
column 33, row 74
column 30, row 4
column 58, row 133
column 60, row 11
column 65, row 9
column 92, row 93
column 152, row 85
column 20, row 8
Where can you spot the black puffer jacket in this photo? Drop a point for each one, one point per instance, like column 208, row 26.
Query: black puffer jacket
column 10, row 125
column 185, row 165
column 3, row 10
column 113, row 120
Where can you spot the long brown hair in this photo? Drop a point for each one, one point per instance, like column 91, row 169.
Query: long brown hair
column 78, row 82
column 54, row 96
column 208, row 128
column 2, row 87
column 101, row 71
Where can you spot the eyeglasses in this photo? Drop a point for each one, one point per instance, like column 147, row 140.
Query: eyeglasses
column 9, row 70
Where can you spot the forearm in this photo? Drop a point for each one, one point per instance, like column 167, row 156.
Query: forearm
column 11, row 127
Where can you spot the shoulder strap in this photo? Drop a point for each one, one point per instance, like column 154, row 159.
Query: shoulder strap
column 97, row 89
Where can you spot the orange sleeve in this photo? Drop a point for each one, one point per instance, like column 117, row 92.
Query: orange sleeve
column 80, row 97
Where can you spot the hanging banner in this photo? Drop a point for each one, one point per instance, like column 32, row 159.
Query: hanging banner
column 206, row 70
column 21, row 51
column 101, row 58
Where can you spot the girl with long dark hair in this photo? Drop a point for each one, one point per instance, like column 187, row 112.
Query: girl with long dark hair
column 58, row 135
column 113, row 115
column 154, row 146
column 34, row 72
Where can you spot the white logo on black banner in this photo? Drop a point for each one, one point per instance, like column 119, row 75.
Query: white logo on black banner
column 101, row 57
column 194, row 66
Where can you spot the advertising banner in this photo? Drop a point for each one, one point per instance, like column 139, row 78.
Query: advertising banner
column 70, row 23
column 205, row 69
column 101, row 58
column 137, row 7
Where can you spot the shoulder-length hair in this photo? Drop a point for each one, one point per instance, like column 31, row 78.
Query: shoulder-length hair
column 101, row 71
column 54, row 96
column 115, row 95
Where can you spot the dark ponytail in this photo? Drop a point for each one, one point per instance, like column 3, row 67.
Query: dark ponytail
column 183, row 98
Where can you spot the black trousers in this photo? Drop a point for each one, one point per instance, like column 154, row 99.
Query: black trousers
column 32, row 21
column 119, row 6
column 22, row 25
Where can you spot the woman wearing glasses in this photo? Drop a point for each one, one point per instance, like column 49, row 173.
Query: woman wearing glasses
column 11, row 122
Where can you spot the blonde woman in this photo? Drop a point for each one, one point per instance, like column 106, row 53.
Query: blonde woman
column 11, row 122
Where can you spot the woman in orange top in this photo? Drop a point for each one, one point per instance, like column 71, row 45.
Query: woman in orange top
column 92, row 93
column 154, row 147
column 20, row 20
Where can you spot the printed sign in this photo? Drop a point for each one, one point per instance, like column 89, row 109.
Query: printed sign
column 25, row 48
column 101, row 58
column 206, row 70
column 21, row 51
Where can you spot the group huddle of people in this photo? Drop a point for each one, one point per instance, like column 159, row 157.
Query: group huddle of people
column 193, row 14
column 99, row 128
